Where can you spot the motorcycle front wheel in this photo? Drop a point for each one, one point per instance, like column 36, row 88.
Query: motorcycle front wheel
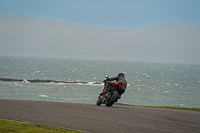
column 98, row 103
column 113, row 98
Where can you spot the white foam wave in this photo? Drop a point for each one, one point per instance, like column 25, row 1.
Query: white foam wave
column 165, row 92
column 25, row 81
column 45, row 96
column 90, row 83
column 16, row 84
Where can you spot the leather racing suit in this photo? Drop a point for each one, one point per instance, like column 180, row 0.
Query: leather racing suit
column 119, row 79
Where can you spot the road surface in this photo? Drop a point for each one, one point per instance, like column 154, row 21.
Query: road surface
column 101, row 119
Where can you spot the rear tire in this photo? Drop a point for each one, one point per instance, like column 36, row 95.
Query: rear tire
column 113, row 98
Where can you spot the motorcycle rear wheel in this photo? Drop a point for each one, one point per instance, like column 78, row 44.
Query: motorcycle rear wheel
column 113, row 98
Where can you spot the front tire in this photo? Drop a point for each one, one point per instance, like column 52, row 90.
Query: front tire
column 113, row 98
column 98, row 103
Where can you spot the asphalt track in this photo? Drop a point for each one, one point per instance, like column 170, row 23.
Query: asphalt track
column 95, row 119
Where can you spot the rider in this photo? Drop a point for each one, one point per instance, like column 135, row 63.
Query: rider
column 119, row 78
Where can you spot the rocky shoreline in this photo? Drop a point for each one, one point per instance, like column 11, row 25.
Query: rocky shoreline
column 42, row 81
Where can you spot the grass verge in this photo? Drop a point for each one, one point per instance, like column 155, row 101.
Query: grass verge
column 10, row 126
column 169, row 107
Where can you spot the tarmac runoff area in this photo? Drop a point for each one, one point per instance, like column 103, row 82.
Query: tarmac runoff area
column 101, row 119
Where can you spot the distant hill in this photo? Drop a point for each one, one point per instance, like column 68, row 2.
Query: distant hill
column 31, row 36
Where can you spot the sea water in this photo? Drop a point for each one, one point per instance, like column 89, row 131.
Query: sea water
column 149, row 83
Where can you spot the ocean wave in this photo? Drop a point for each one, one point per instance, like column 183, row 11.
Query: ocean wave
column 165, row 92
column 45, row 96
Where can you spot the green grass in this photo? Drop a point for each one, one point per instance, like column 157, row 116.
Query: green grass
column 169, row 107
column 8, row 126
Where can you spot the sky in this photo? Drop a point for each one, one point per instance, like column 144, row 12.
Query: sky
column 148, row 30
column 135, row 15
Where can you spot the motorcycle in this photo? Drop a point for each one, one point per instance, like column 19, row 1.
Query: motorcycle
column 110, row 94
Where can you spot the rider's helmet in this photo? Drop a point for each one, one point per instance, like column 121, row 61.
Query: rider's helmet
column 121, row 75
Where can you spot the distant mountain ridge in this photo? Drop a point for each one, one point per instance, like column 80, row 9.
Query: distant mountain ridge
column 31, row 36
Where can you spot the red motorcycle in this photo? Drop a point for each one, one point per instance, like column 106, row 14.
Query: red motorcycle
column 110, row 94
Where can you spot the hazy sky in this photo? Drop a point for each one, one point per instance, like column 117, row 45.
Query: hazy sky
column 125, row 14
column 34, row 36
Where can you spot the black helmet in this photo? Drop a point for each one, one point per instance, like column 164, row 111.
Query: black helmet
column 121, row 75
